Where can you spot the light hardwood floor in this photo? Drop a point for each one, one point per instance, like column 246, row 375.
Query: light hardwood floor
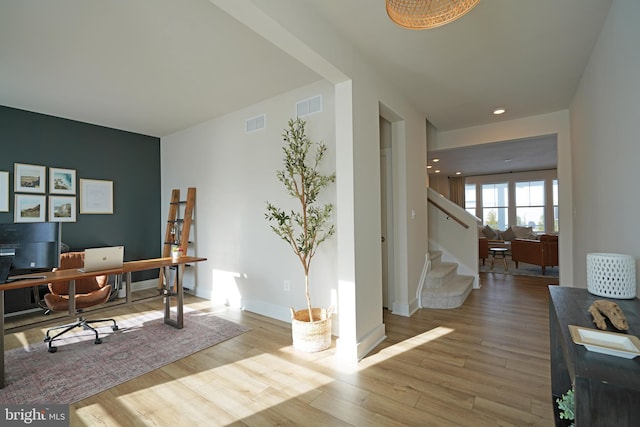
column 484, row 364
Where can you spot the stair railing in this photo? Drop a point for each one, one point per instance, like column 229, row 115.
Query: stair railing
column 454, row 232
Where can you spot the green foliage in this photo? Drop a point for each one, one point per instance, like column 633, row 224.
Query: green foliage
column 492, row 219
column 567, row 406
column 307, row 227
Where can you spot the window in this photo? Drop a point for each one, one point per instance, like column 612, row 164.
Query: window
column 519, row 198
column 555, row 206
column 470, row 203
column 495, row 205
column 530, row 204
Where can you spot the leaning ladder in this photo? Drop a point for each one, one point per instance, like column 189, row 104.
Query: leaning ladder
column 178, row 228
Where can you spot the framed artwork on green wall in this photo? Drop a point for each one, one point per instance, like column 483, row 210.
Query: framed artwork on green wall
column 4, row 191
column 62, row 181
column 30, row 208
column 30, row 178
column 62, row 209
column 96, row 196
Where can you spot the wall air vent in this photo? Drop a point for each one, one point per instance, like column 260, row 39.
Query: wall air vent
column 309, row 106
column 255, row 124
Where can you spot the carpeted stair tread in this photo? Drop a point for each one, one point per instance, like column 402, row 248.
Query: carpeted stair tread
column 440, row 274
column 451, row 295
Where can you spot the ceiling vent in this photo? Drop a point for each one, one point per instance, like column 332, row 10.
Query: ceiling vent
column 254, row 124
column 309, row 106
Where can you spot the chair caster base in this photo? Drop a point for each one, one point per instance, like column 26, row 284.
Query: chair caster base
column 52, row 349
column 98, row 341
column 114, row 328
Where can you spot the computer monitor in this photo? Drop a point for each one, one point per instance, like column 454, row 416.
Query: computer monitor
column 34, row 245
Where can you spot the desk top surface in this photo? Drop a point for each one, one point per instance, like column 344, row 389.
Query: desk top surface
column 75, row 274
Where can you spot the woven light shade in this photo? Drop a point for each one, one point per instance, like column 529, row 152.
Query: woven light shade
column 424, row 14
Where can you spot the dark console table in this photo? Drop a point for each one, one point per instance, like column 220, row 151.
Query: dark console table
column 607, row 388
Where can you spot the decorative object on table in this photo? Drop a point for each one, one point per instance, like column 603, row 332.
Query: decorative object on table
column 62, row 208
column 425, row 14
column 567, row 406
column 62, row 181
column 606, row 342
column 29, row 208
column 305, row 229
column 29, row 178
column 601, row 309
column 96, row 196
column 176, row 252
column 611, row 275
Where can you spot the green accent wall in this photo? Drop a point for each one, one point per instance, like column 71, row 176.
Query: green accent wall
column 130, row 160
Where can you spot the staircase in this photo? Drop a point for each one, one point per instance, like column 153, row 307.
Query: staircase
column 444, row 287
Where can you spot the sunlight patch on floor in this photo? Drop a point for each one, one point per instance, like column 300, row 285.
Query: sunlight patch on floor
column 411, row 343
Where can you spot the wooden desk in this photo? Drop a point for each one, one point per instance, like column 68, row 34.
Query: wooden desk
column 72, row 275
column 607, row 388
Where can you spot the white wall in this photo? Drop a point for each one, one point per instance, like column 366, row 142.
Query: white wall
column 605, row 142
column 235, row 174
column 359, row 94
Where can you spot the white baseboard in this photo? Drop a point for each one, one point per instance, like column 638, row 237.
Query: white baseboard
column 355, row 351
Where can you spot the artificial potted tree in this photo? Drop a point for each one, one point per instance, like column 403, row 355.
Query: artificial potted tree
column 304, row 228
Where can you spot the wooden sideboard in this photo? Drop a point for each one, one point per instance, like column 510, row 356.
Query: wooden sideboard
column 607, row 388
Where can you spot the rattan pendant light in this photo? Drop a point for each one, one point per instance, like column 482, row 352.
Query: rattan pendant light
column 424, row 14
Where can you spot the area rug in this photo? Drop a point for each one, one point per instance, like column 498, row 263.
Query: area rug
column 81, row 368
column 523, row 269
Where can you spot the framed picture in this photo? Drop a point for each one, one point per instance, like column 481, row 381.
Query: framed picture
column 30, row 208
column 62, row 209
column 30, row 178
column 4, row 191
column 62, row 181
column 96, row 196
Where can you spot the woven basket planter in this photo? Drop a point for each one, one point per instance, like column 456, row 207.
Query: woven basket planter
column 611, row 275
column 311, row 336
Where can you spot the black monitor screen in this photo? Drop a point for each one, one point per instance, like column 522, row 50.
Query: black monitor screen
column 35, row 245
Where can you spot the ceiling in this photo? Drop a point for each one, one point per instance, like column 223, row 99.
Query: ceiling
column 157, row 66
column 147, row 66
column 527, row 154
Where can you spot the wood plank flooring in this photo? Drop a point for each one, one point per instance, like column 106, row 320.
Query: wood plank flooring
column 484, row 364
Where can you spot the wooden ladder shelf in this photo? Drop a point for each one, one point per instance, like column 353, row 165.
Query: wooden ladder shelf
column 178, row 228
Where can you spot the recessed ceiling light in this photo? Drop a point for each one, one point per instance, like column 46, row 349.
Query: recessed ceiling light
column 458, row 173
column 429, row 166
column 437, row 170
column 498, row 111
column 436, row 160
column 507, row 160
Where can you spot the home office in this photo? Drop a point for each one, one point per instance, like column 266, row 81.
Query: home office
column 55, row 217
column 219, row 157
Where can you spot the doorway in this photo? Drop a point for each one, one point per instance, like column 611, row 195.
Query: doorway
column 386, row 213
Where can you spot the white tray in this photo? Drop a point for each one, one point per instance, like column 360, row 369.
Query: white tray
column 612, row 343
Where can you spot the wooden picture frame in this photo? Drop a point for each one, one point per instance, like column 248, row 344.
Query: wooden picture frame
column 96, row 196
column 4, row 191
column 29, row 178
column 62, row 181
column 62, row 208
column 30, row 208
